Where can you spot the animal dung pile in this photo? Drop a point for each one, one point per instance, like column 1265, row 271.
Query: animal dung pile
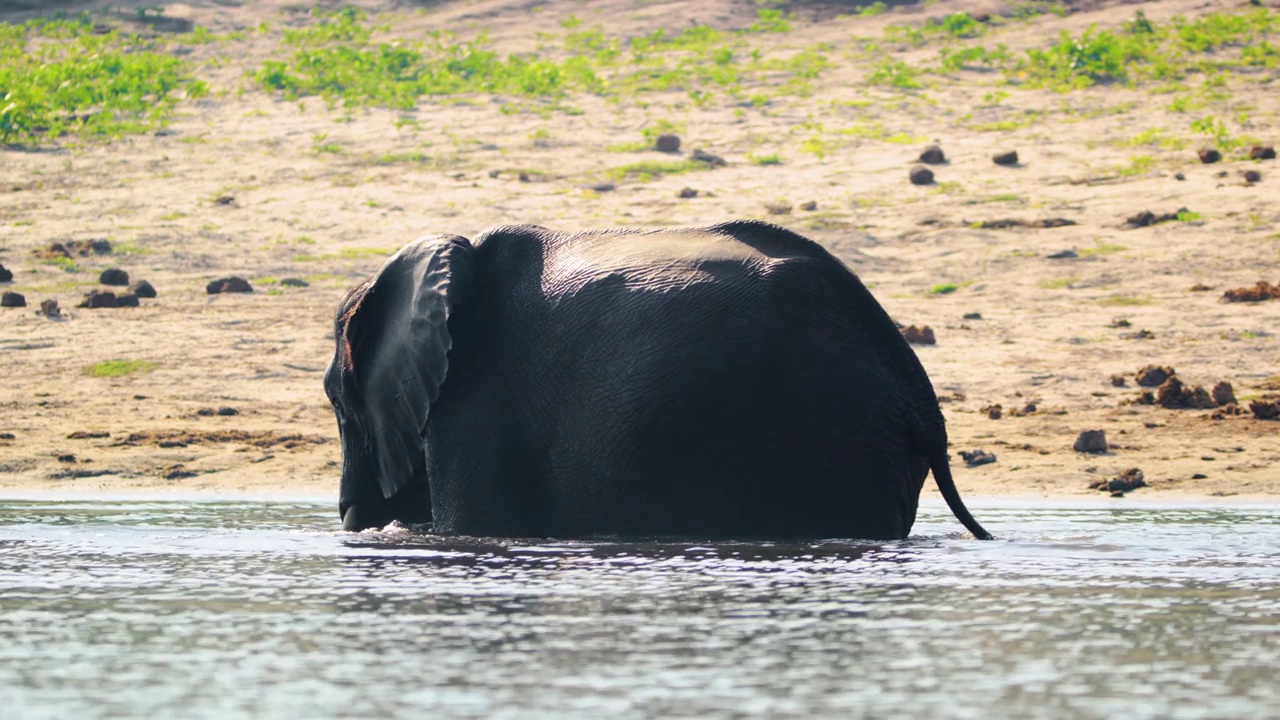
column 74, row 248
column 1172, row 394
column 922, row 335
column 932, row 155
column 1130, row 479
column 920, row 175
column 231, row 284
column 114, row 276
column 706, row 157
column 974, row 458
column 1147, row 218
column 1005, row 158
column 667, row 143
column 1265, row 409
column 1262, row 291
column 107, row 299
column 142, row 289
column 1091, row 441
column 1154, row 375
column 96, row 299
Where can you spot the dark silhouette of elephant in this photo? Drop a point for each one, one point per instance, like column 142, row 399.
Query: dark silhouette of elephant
column 727, row 382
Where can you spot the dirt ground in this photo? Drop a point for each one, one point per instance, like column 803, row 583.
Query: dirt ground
column 238, row 186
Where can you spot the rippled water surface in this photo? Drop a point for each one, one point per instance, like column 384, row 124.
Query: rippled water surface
column 186, row 609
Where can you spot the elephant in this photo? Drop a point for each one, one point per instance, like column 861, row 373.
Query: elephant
column 728, row 382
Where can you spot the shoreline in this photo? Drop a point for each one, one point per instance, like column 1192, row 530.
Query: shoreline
column 1166, row 499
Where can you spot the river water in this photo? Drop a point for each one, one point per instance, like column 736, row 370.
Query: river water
column 262, row 610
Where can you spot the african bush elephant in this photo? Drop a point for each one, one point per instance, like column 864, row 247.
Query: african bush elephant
column 726, row 382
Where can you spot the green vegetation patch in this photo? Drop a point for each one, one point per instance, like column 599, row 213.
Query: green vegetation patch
column 647, row 170
column 119, row 368
column 344, row 59
column 58, row 77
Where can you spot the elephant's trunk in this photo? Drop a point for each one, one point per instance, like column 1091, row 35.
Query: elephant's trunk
column 941, row 466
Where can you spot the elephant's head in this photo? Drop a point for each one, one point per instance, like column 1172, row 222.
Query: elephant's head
column 392, row 355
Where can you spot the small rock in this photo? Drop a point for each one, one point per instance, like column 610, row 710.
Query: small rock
column 1006, row 158
column 1118, row 381
column 604, row 187
column 687, row 193
column 1200, row 287
column 49, row 308
column 142, row 289
column 920, row 175
column 224, row 199
column 777, row 208
column 98, row 299
column 68, row 458
column 127, row 300
column 972, row 316
column 295, row 282
column 1252, row 176
column 12, row 299
column 667, row 143
column 932, row 155
column 1262, row 152
column 1224, row 394
column 114, row 276
column 227, row 411
column 1209, row 156
column 994, row 412
column 809, row 206
column 8, row 436
column 708, row 158
column 922, row 335
column 1120, row 323
column 232, row 284
column 1143, row 334
column 165, row 132
column 1091, row 441
column 1154, row 375
column 1063, row 255
column 1179, row 176
column 524, row 177
column 974, row 458
column 6, row 275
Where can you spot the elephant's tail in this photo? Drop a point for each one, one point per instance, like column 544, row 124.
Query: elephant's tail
column 941, row 466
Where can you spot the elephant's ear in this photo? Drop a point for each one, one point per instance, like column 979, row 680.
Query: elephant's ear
column 395, row 333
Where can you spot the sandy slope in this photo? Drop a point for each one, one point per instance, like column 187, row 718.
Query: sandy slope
column 1045, row 334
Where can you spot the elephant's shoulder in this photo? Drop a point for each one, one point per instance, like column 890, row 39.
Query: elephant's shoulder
column 773, row 241
column 506, row 237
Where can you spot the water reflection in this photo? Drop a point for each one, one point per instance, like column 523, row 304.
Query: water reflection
column 262, row 610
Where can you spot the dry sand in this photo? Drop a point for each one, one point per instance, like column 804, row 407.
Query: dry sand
column 240, row 188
